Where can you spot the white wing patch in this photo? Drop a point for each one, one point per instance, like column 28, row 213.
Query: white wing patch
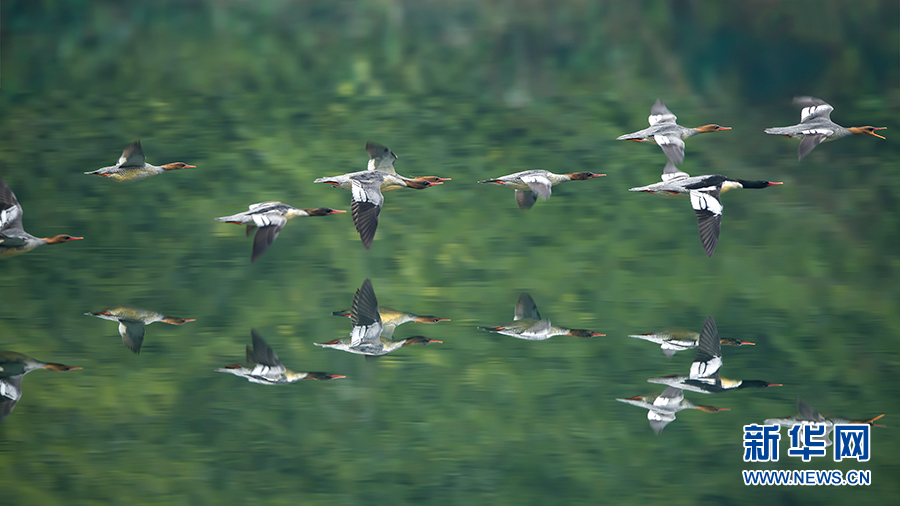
column 539, row 185
column 8, row 216
column 701, row 201
column 815, row 111
column 664, row 140
column 705, row 369
column 268, row 219
column 9, row 391
column 358, row 192
column 817, row 131
column 661, row 118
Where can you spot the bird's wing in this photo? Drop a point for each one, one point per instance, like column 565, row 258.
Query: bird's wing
column 387, row 331
column 132, row 156
column 659, row 420
column 365, row 208
column 807, row 412
column 364, row 310
column 672, row 146
column 380, row 158
column 669, row 398
column 813, row 108
column 809, row 143
column 709, row 352
column 10, row 210
column 132, row 334
column 540, row 185
column 526, row 308
column 671, row 172
column 266, row 235
column 659, row 113
column 262, row 353
column 708, row 208
column 10, row 393
column 525, row 199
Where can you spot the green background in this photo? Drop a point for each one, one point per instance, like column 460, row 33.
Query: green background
column 265, row 97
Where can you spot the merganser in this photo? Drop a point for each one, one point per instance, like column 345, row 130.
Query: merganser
column 704, row 192
column 132, row 167
column 704, row 374
column 366, row 188
column 14, row 240
column 531, row 184
column 675, row 339
column 816, row 126
column 381, row 158
column 265, row 368
column 809, row 415
column 270, row 217
column 392, row 318
column 528, row 324
column 662, row 408
column 666, row 133
column 366, row 337
column 132, row 321
column 12, row 367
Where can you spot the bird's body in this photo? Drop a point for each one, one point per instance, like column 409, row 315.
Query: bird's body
column 816, row 126
column 662, row 407
column 528, row 324
column 667, row 134
column 704, row 192
column 381, row 158
column 132, row 321
column 367, row 186
column 673, row 340
column 132, row 167
column 14, row 240
column 13, row 366
column 531, row 184
column 366, row 337
column 392, row 318
column 270, row 218
column 808, row 415
column 263, row 367
column 704, row 374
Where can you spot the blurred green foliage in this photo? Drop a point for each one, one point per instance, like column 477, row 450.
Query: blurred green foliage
column 266, row 96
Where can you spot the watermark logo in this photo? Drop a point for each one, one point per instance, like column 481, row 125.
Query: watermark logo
column 852, row 442
column 804, row 442
column 808, row 440
column 761, row 443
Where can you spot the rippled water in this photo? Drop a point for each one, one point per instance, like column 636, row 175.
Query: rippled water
column 805, row 270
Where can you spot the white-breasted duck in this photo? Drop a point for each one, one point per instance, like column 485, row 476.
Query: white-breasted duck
column 704, row 192
column 808, row 415
column 132, row 321
column 366, row 337
column 381, row 158
column 12, row 367
column 531, row 184
column 528, row 324
column 667, row 134
column 662, row 407
column 675, row 339
column 816, row 126
column 392, row 318
column 14, row 240
column 132, row 167
column 704, row 374
column 263, row 367
column 270, row 217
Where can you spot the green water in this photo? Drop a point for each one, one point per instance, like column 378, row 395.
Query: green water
column 265, row 98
